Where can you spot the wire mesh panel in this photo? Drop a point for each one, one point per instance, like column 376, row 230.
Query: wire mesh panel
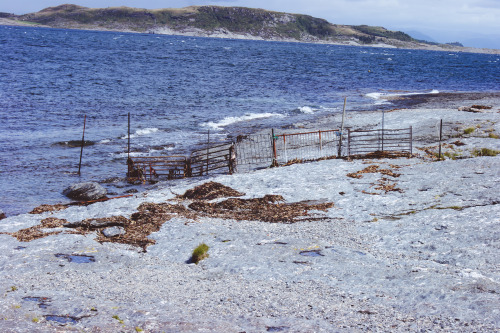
column 254, row 152
column 306, row 146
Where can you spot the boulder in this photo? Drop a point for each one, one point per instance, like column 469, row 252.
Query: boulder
column 85, row 191
column 113, row 231
column 2, row 215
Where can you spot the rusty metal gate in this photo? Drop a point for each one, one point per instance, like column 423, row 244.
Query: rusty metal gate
column 212, row 159
column 152, row 167
column 361, row 142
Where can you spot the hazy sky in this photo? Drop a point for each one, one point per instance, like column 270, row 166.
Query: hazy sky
column 444, row 20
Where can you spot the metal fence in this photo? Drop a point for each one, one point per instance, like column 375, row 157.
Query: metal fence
column 305, row 146
column 254, row 152
column 264, row 150
column 362, row 142
column 214, row 158
column 152, row 167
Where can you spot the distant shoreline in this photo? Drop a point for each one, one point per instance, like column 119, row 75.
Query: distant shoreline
column 229, row 35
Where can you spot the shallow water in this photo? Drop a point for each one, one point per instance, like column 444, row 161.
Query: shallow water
column 176, row 89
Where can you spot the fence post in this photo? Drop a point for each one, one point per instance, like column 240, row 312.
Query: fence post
column 208, row 148
column 383, row 121
column 232, row 159
column 411, row 141
column 188, row 171
column 348, row 142
column 128, row 146
column 342, row 129
column 320, row 143
column 284, row 145
column 440, row 137
column 275, row 159
column 83, row 143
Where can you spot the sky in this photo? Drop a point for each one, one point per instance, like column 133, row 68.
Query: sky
column 467, row 21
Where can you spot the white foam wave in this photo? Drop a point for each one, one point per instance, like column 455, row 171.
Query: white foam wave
column 307, row 109
column 232, row 120
column 140, row 132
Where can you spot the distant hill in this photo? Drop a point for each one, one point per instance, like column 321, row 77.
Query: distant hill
column 222, row 22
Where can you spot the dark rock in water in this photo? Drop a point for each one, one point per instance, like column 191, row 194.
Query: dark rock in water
column 85, row 191
column 132, row 190
column 113, row 231
column 2, row 215
column 76, row 143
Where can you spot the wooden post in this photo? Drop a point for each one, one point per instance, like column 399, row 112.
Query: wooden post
column 83, row 143
column 342, row 129
column 284, row 146
column 208, row 148
column 411, row 141
column 383, row 119
column 128, row 146
column 320, row 143
column 128, row 149
column 275, row 159
column 232, row 159
column 440, row 137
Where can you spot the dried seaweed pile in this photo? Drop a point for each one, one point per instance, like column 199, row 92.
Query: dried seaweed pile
column 373, row 169
column 210, row 191
column 37, row 231
column 150, row 217
column 48, row 208
column 270, row 208
column 383, row 184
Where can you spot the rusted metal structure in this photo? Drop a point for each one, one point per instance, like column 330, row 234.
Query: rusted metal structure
column 150, row 168
column 362, row 142
column 305, row 146
column 264, row 150
column 214, row 158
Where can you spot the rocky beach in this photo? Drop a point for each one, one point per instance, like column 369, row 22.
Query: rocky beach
column 338, row 245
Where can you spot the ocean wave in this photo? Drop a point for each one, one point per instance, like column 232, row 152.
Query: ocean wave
column 140, row 132
column 232, row 120
column 307, row 109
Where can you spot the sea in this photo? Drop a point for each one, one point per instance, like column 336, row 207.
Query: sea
column 177, row 90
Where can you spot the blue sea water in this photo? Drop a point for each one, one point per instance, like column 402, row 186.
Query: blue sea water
column 176, row 89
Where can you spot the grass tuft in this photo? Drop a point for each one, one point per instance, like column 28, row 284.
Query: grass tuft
column 469, row 130
column 485, row 152
column 199, row 253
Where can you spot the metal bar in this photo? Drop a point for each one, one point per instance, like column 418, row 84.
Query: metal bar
column 83, row 143
column 275, row 153
column 208, row 148
column 411, row 140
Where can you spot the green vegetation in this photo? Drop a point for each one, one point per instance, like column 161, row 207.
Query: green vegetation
column 382, row 32
column 239, row 20
column 485, row 152
column 118, row 318
column 199, row 253
column 469, row 130
column 493, row 136
column 452, row 154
